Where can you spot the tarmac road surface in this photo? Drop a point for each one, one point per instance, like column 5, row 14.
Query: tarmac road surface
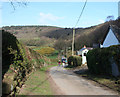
column 71, row 84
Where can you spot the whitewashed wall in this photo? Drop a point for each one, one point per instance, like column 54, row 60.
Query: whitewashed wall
column 84, row 60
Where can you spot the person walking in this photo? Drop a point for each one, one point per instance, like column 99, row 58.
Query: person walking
column 63, row 64
column 59, row 63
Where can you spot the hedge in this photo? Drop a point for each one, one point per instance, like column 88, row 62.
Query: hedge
column 99, row 60
column 17, row 63
column 74, row 61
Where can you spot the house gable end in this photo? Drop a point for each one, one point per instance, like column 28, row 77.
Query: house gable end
column 110, row 39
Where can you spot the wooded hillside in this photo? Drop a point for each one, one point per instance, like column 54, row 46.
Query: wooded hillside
column 60, row 38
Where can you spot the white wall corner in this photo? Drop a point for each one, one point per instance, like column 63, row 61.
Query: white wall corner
column 101, row 46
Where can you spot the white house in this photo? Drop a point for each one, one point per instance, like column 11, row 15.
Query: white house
column 112, row 37
column 83, row 52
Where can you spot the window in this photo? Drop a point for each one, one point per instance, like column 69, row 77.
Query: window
column 85, row 54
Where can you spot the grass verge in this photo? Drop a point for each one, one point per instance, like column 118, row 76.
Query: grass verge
column 37, row 83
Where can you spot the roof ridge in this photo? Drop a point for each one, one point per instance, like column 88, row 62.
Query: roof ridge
column 114, row 26
column 116, row 31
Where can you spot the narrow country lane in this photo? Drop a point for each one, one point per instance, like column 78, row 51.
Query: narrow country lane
column 71, row 84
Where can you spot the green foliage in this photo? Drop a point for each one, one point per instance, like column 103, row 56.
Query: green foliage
column 53, row 59
column 37, row 59
column 38, row 83
column 74, row 61
column 70, row 60
column 14, row 60
column 18, row 59
column 12, row 53
column 98, row 60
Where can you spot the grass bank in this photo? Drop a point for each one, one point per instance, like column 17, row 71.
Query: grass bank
column 37, row 83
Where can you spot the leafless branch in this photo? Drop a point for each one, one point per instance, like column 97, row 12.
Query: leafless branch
column 12, row 5
column 15, row 3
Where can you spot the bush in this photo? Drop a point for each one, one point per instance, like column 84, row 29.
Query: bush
column 74, row 61
column 19, row 60
column 70, row 60
column 45, row 50
column 99, row 60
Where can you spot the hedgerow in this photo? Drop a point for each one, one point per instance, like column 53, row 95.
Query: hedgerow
column 74, row 61
column 17, row 63
column 99, row 60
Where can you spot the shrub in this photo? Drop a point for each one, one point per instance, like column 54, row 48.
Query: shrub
column 74, row 61
column 70, row 60
column 99, row 60
column 14, row 61
column 45, row 50
column 19, row 60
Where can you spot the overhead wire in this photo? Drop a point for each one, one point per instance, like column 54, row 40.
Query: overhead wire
column 76, row 25
column 81, row 13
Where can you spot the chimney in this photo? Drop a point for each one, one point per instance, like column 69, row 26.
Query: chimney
column 84, row 46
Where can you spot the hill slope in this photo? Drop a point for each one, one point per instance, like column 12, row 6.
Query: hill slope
column 32, row 35
column 58, row 37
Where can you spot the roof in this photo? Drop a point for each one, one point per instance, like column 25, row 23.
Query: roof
column 116, row 31
column 88, row 48
column 118, row 18
column 82, row 49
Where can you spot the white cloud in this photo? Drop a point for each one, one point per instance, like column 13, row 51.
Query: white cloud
column 48, row 17
column 101, row 21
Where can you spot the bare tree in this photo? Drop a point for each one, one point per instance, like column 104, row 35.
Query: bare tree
column 15, row 3
column 109, row 18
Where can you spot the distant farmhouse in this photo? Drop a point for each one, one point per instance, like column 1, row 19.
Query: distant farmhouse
column 112, row 37
column 83, row 52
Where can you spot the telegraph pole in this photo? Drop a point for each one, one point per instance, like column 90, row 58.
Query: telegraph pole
column 73, row 42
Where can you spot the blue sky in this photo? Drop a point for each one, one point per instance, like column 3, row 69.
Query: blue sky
column 61, row 14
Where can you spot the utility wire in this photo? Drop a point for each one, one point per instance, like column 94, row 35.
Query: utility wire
column 75, row 26
column 81, row 13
